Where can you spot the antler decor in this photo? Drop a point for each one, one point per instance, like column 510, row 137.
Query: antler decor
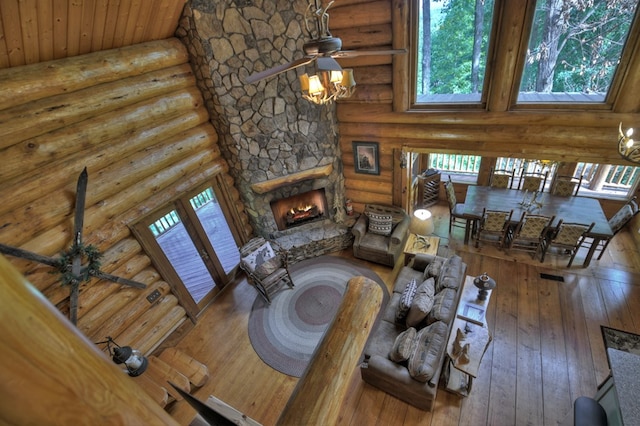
column 627, row 147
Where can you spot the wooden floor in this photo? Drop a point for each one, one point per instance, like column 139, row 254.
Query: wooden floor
column 547, row 347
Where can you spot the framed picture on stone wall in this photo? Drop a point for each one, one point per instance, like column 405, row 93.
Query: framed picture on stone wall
column 366, row 157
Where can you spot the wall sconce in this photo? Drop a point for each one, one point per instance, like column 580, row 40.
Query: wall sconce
column 133, row 360
column 328, row 86
column 627, row 147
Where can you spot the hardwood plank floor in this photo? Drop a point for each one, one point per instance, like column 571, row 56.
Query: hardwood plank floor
column 546, row 351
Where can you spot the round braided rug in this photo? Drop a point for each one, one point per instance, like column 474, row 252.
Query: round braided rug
column 285, row 333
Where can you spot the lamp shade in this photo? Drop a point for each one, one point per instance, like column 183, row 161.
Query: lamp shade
column 421, row 222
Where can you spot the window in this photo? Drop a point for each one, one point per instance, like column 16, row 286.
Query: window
column 461, row 168
column 574, row 50
column 608, row 181
column 577, row 52
column 453, row 40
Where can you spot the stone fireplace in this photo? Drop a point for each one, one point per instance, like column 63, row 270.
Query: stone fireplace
column 273, row 140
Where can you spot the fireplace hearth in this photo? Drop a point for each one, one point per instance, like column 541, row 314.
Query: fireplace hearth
column 299, row 209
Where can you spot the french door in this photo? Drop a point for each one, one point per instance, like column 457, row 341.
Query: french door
column 192, row 244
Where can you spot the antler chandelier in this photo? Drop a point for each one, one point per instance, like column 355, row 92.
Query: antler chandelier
column 627, row 147
column 327, row 86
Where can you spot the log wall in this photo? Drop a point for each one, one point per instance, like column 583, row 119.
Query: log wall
column 135, row 119
column 379, row 110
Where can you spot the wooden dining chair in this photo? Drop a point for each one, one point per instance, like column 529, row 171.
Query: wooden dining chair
column 501, row 178
column 567, row 238
column 533, row 181
column 493, row 227
column 456, row 212
column 619, row 221
column 566, row 185
column 529, row 233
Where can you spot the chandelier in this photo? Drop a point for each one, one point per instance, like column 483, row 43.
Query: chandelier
column 627, row 147
column 328, row 86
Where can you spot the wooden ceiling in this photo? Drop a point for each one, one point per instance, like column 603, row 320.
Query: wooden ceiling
column 34, row 31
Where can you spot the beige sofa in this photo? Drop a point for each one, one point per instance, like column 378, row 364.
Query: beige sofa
column 415, row 380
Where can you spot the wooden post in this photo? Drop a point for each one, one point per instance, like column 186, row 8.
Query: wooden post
column 52, row 374
column 318, row 396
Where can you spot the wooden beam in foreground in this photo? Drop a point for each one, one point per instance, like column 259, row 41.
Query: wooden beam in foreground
column 51, row 374
column 318, row 396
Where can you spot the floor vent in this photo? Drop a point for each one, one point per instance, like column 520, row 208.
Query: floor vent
column 552, row 277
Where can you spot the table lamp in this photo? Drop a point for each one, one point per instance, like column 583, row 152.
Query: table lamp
column 422, row 225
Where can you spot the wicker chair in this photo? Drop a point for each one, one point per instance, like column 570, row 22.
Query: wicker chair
column 530, row 181
column 566, row 186
column 619, row 221
column 568, row 238
column 266, row 268
column 493, row 227
column 529, row 233
column 501, row 178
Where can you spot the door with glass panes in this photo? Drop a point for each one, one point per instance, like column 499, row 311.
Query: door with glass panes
column 192, row 245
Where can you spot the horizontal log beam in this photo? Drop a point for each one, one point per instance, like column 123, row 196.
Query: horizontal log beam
column 273, row 184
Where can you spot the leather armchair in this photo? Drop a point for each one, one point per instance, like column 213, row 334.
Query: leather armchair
column 377, row 248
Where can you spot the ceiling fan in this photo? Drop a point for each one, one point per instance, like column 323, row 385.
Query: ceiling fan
column 322, row 48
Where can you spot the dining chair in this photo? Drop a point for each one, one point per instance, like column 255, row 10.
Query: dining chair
column 456, row 210
column 567, row 238
column 493, row 226
column 566, row 185
column 501, row 178
column 529, row 233
column 619, row 221
column 533, row 181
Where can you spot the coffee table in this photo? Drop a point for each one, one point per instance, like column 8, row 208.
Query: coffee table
column 415, row 246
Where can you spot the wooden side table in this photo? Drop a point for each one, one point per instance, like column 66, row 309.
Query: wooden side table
column 470, row 324
column 414, row 246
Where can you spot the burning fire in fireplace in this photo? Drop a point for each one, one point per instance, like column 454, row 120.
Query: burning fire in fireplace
column 299, row 209
column 300, row 213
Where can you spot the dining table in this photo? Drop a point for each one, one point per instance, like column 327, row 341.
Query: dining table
column 570, row 209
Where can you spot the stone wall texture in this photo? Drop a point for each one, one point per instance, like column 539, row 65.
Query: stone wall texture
column 266, row 130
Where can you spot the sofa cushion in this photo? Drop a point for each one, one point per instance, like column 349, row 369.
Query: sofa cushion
column 403, row 345
column 427, row 354
column 434, row 268
column 422, row 303
column 406, row 300
column 451, row 274
column 381, row 224
column 444, row 306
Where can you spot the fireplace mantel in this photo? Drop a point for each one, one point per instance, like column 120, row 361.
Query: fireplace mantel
column 273, row 184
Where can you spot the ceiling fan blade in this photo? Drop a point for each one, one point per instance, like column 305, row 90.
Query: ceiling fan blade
column 354, row 53
column 327, row 63
column 280, row 69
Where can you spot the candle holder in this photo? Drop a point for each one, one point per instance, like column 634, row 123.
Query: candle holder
column 485, row 284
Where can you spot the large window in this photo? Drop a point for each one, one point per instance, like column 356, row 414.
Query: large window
column 453, row 40
column 573, row 53
column 574, row 49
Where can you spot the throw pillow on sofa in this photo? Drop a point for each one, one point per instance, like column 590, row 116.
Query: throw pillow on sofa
column 422, row 303
column 444, row 306
column 426, row 355
column 406, row 299
column 450, row 274
column 403, row 345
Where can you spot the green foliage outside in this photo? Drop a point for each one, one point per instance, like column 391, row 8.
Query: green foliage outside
column 578, row 43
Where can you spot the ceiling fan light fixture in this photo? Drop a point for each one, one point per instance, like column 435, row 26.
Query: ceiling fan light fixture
column 327, row 86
